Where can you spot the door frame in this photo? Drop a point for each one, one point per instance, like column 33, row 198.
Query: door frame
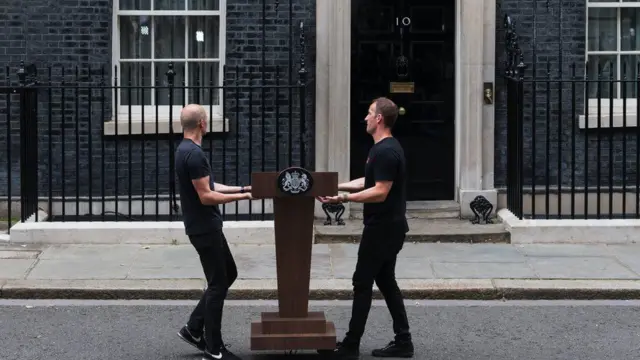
column 474, row 120
column 448, row 92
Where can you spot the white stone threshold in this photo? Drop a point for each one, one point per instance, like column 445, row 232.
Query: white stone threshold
column 527, row 231
column 137, row 232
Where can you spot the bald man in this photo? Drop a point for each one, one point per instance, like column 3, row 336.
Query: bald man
column 200, row 197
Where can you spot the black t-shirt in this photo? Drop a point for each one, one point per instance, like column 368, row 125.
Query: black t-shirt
column 386, row 162
column 191, row 163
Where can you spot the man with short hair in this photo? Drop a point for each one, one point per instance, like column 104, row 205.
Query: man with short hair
column 199, row 198
column 383, row 192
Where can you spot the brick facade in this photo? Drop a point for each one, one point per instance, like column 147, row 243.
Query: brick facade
column 78, row 33
column 559, row 30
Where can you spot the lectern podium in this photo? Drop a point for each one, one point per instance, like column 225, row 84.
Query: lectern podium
column 293, row 327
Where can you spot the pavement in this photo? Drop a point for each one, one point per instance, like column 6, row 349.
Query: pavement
column 442, row 330
column 424, row 271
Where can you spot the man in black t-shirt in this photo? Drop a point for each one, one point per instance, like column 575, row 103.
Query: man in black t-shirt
column 383, row 192
column 200, row 197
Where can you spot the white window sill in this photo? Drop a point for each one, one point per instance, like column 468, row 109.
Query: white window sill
column 606, row 121
column 216, row 125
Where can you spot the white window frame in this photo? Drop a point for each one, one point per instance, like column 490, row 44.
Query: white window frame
column 605, row 118
column 214, row 112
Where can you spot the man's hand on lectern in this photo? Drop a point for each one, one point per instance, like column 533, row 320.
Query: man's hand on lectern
column 333, row 199
column 328, row 199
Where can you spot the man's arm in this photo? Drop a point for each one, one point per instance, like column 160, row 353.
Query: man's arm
column 210, row 197
column 352, row 186
column 375, row 194
column 385, row 168
column 226, row 189
column 199, row 172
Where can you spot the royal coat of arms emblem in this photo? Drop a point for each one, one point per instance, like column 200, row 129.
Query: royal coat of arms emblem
column 295, row 181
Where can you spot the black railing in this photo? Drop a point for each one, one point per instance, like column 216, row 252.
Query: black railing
column 575, row 161
column 69, row 151
column 63, row 157
column 573, row 140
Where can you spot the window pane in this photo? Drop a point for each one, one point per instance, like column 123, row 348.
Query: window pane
column 168, row 5
column 169, row 36
column 204, row 4
column 602, row 29
column 629, row 70
column 134, row 76
column 135, row 4
column 204, row 37
column 629, row 28
column 601, row 67
column 135, row 37
column 163, row 83
column 202, row 77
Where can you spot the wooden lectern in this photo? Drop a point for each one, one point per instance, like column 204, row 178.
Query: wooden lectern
column 293, row 327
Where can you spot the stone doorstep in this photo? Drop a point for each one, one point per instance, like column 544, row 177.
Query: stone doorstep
column 421, row 231
column 425, row 210
column 440, row 289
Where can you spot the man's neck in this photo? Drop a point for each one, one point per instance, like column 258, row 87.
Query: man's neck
column 381, row 135
column 196, row 138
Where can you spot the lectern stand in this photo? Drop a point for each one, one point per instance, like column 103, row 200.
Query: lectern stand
column 293, row 327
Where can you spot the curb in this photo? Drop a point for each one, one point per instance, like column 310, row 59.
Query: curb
column 191, row 289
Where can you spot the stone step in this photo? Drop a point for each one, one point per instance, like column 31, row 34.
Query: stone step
column 420, row 210
column 421, row 231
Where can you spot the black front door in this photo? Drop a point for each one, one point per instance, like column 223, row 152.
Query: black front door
column 404, row 50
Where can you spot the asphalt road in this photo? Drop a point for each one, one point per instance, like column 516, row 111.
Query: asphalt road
column 447, row 330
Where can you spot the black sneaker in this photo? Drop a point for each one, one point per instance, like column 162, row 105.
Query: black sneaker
column 395, row 349
column 197, row 342
column 221, row 354
column 342, row 351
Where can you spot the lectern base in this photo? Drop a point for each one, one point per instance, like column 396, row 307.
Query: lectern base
column 310, row 333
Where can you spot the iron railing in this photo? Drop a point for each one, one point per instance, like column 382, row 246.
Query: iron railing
column 62, row 147
column 62, row 157
column 573, row 141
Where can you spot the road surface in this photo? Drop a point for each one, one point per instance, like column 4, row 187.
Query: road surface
column 446, row 330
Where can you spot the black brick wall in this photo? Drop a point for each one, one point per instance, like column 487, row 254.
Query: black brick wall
column 71, row 33
column 553, row 47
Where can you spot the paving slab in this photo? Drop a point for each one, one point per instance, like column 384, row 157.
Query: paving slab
column 631, row 261
column 162, row 255
column 558, row 250
column 409, row 268
column 165, row 272
column 482, row 270
column 87, row 268
column 445, row 252
column 124, row 252
column 17, row 254
column 470, row 253
column 15, row 268
column 581, row 268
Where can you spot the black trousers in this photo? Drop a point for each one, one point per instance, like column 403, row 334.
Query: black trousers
column 220, row 271
column 377, row 255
